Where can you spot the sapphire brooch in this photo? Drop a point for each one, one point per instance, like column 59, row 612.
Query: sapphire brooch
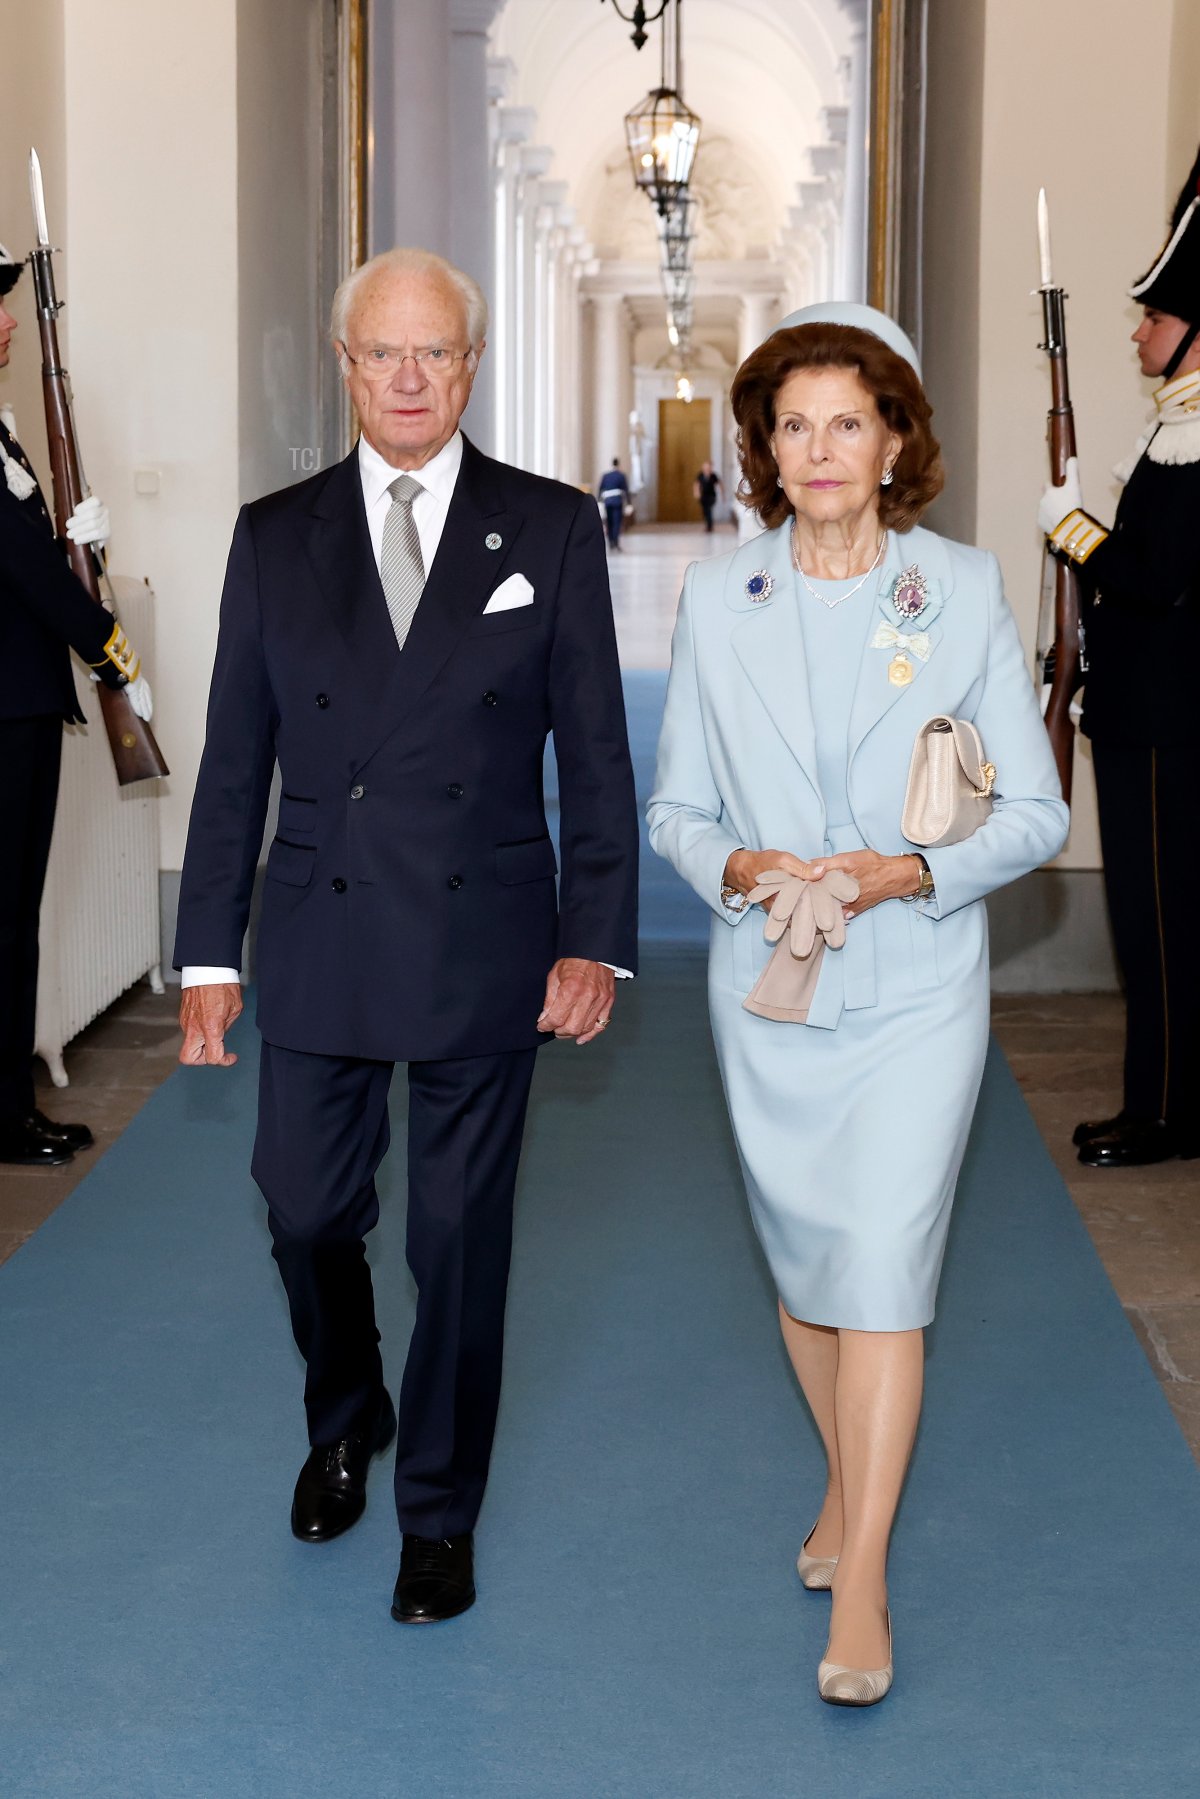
column 759, row 585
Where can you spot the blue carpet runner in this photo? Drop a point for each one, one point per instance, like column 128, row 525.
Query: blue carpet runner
column 641, row 1633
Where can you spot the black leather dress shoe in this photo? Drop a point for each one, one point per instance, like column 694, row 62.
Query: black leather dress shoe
column 26, row 1145
column 436, row 1579
column 71, row 1136
column 1097, row 1127
column 1136, row 1144
column 331, row 1492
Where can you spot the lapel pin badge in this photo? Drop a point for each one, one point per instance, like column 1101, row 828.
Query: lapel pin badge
column 493, row 540
column 758, row 586
column 900, row 671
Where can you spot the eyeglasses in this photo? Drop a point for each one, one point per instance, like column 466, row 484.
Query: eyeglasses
column 436, row 364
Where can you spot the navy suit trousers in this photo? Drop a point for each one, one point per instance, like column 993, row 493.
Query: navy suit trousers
column 322, row 1133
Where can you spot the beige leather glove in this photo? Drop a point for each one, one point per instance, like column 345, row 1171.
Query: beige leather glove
column 802, row 918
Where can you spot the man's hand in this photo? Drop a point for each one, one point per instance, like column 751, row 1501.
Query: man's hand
column 206, row 1014
column 579, row 999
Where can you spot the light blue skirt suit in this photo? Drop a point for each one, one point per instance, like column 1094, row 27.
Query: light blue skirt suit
column 783, row 731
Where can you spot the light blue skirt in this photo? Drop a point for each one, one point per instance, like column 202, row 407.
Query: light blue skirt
column 851, row 1138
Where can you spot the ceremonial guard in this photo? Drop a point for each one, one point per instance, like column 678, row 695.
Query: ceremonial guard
column 46, row 613
column 1141, row 622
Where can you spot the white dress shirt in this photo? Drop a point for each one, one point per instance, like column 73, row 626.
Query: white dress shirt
column 430, row 507
column 437, row 478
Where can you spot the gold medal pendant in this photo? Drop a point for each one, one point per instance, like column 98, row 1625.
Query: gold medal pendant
column 900, row 671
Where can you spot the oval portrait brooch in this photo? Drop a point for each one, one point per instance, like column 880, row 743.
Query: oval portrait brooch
column 910, row 594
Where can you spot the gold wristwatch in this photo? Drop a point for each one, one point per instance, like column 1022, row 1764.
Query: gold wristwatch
column 925, row 890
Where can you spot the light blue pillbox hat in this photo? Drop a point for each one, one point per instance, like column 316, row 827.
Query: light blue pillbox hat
column 863, row 318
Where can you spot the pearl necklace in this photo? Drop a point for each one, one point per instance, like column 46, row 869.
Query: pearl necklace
column 850, row 592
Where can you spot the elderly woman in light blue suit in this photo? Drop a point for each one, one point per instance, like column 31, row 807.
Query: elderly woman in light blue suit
column 803, row 665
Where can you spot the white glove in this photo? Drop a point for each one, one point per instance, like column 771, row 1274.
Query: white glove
column 140, row 698
column 139, row 695
column 89, row 522
column 1056, row 502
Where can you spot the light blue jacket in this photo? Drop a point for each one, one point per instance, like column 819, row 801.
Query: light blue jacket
column 737, row 765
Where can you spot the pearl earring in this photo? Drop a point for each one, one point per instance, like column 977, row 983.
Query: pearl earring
column 887, row 477
column 779, row 480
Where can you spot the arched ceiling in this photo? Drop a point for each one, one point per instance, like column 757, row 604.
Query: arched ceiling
column 758, row 72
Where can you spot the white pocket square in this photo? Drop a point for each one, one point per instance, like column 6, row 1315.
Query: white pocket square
column 516, row 591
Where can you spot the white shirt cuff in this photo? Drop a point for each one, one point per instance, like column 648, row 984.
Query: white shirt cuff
column 622, row 974
column 208, row 977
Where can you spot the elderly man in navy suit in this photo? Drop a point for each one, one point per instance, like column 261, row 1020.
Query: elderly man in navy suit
column 399, row 634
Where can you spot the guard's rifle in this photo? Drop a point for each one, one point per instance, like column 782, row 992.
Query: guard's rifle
column 135, row 753
column 1060, row 635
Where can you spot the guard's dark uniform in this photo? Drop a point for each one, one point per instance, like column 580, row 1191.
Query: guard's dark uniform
column 1142, row 638
column 44, row 614
column 1143, row 647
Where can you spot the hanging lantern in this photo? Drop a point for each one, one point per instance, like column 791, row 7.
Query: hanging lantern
column 662, row 133
column 677, row 231
column 678, row 286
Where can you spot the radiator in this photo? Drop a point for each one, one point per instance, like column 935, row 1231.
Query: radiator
column 99, row 925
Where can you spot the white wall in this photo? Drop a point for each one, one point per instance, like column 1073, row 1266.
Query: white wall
column 150, row 276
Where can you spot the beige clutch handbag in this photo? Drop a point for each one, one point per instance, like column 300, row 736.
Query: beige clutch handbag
column 949, row 784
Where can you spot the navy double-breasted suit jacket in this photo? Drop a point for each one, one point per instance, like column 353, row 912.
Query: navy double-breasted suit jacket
column 410, row 909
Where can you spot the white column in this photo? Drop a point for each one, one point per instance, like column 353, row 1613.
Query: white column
column 409, row 125
column 549, row 235
column 578, row 254
column 514, row 124
column 610, row 352
column 858, row 127
column 534, row 161
column 470, row 181
column 758, row 316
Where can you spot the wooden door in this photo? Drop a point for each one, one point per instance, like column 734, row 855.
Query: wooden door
column 684, row 442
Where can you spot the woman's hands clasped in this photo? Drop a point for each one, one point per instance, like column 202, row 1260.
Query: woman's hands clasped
column 879, row 877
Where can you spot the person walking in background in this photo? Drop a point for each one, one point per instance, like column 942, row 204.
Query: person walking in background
column 398, row 635
column 707, row 490
column 803, row 666
column 1142, row 641
column 614, row 493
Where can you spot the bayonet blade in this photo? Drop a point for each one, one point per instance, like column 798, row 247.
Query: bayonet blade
column 1043, row 228
column 38, row 195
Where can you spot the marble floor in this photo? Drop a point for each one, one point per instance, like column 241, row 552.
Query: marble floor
column 1065, row 1050
column 647, row 575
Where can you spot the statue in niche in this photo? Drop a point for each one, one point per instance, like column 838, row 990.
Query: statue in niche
column 637, row 453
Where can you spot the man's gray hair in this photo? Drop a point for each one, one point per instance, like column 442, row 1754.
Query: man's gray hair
column 410, row 262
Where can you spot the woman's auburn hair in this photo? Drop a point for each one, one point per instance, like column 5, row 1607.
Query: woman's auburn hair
column 917, row 472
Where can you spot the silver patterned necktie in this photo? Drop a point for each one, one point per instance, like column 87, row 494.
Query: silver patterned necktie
column 401, row 566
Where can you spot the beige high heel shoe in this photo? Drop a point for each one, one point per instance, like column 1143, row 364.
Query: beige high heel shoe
column 855, row 1686
column 816, row 1571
